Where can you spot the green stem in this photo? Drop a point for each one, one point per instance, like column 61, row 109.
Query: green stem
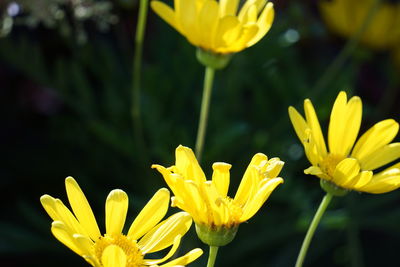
column 310, row 233
column 137, row 70
column 205, row 105
column 348, row 49
column 212, row 256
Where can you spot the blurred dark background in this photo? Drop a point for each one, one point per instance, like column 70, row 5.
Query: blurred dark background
column 65, row 100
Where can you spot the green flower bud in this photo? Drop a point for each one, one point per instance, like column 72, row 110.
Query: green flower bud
column 212, row 60
column 333, row 189
column 216, row 236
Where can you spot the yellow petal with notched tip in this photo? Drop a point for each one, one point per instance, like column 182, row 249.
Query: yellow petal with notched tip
column 344, row 124
column 313, row 123
column 81, row 208
column 376, row 137
column 259, row 198
column 170, row 253
column 188, row 165
column 381, row 157
column 116, row 209
column 220, row 177
column 345, row 171
column 163, row 235
column 113, row 256
column 186, row 259
column 150, row 215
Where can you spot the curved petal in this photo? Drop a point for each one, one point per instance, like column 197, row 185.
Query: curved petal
column 187, row 164
column 186, row 16
column 220, row 177
column 382, row 133
column 166, row 13
column 207, row 23
column 363, row 178
column 62, row 233
column 113, row 256
column 313, row 123
column 116, row 209
column 299, row 124
column 171, row 252
column 346, row 171
column 274, row 167
column 264, row 23
column 164, row 233
column 150, row 215
column 382, row 156
column 228, row 7
column 81, row 208
column 228, row 31
column 259, row 199
column 385, row 181
column 186, row 259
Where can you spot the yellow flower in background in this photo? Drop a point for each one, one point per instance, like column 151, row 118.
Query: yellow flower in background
column 207, row 200
column 349, row 164
column 220, row 26
column 78, row 230
column 346, row 17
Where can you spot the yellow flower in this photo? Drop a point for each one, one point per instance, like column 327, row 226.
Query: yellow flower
column 218, row 26
column 207, row 201
column 348, row 165
column 78, row 229
column 346, row 17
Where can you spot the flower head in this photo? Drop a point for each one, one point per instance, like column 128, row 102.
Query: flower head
column 207, row 200
column 218, row 26
column 79, row 231
column 349, row 164
column 347, row 17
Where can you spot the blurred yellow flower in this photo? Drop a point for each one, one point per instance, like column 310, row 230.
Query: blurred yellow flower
column 346, row 17
column 218, row 26
column 347, row 165
column 78, row 229
column 207, row 200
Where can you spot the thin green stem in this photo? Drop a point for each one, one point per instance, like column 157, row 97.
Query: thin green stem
column 137, row 71
column 212, row 256
column 347, row 50
column 311, row 229
column 205, row 106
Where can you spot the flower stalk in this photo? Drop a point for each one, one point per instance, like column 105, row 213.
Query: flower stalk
column 205, row 106
column 212, row 256
column 311, row 229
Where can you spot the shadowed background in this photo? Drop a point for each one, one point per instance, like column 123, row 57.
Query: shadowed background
column 65, row 76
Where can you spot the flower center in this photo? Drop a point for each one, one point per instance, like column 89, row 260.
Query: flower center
column 134, row 256
column 234, row 209
column 328, row 165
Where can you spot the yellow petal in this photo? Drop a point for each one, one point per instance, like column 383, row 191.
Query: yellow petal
column 170, row 178
column 186, row 259
column 274, row 167
column 344, row 124
column 259, row 199
column 220, row 177
column 166, row 13
column 61, row 232
column 186, row 16
column 116, row 209
column 264, row 23
column 150, row 215
column 313, row 123
column 385, row 181
column 207, row 23
column 193, row 200
column 376, row 137
column 249, row 179
column 216, row 212
column 188, row 165
column 113, row 256
column 363, row 178
column 170, row 253
column 248, row 4
column 382, row 156
column 81, row 208
column 228, row 7
column 346, row 171
column 228, row 31
column 247, row 34
column 163, row 235
column 299, row 124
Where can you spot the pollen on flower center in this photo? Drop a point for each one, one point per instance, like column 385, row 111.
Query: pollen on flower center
column 134, row 256
column 328, row 165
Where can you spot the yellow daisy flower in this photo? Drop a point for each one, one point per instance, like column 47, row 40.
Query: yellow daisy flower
column 346, row 18
column 79, row 231
column 349, row 164
column 218, row 26
column 207, row 200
